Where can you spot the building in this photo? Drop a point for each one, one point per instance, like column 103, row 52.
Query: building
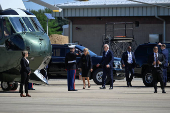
column 87, row 20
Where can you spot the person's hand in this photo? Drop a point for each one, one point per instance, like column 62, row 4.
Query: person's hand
column 107, row 65
column 80, row 69
column 97, row 65
column 123, row 65
column 91, row 70
column 154, row 63
column 29, row 73
column 159, row 62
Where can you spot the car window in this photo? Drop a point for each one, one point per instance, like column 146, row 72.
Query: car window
column 62, row 52
column 56, row 52
column 141, row 51
column 149, row 50
column 67, row 50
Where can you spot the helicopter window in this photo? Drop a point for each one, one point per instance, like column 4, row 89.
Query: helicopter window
column 7, row 27
column 37, row 24
column 15, row 43
column 28, row 23
column 1, row 29
column 34, row 23
column 18, row 26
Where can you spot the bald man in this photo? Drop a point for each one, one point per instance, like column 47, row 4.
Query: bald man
column 128, row 61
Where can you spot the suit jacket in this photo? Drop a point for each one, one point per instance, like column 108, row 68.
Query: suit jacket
column 124, row 59
column 108, row 59
column 71, row 56
column 165, row 52
column 88, row 63
column 24, row 66
column 160, row 58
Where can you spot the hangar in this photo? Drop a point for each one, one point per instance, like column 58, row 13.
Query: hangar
column 87, row 20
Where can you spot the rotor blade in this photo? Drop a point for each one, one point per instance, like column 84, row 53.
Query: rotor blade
column 53, row 8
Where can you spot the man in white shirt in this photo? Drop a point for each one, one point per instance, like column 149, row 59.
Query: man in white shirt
column 128, row 61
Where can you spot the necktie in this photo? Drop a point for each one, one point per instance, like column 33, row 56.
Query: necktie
column 156, row 60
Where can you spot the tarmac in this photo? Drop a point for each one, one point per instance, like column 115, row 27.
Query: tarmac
column 54, row 98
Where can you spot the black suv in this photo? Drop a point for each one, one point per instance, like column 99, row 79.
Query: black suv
column 143, row 70
column 56, row 66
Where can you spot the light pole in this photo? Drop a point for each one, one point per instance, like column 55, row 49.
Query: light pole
column 49, row 17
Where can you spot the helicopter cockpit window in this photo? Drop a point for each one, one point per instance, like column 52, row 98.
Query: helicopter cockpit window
column 18, row 24
column 28, row 23
column 36, row 24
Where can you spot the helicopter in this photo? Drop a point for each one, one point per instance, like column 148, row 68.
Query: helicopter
column 20, row 30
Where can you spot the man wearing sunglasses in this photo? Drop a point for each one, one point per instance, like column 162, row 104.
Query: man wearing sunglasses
column 157, row 61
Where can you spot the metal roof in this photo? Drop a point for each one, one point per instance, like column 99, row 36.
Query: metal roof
column 110, row 2
column 101, row 8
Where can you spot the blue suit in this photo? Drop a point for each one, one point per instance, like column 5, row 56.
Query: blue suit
column 165, row 52
column 107, row 58
column 128, row 67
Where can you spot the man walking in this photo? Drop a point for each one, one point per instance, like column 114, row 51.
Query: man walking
column 70, row 62
column 157, row 61
column 107, row 64
column 165, row 52
column 128, row 61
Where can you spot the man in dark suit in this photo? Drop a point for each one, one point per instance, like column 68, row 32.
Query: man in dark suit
column 157, row 61
column 128, row 61
column 165, row 52
column 107, row 63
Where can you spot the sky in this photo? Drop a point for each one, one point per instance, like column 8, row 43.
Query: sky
column 34, row 6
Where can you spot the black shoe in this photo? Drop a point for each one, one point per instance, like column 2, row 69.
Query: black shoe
column 31, row 89
column 111, row 88
column 73, row 90
column 163, row 91
column 102, row 87
column 155, row 91
column 128, row 84
column 89, row 86
column 84, row 87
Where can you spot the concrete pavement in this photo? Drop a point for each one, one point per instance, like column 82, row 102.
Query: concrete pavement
column 55, row 98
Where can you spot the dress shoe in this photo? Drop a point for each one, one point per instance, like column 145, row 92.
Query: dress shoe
column 102, row 87
column 130, row 84
column 111, row 88
column 28, row 95
column 84, row 87
column 31, row 89
column 21, row 95
column 163, row 91
column 89, row 86
column 155, row 91
column 73, row 90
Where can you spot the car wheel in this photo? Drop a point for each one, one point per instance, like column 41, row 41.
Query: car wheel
column 97, row 76
column 148, row 79
column 6, row 86
column 15, row 86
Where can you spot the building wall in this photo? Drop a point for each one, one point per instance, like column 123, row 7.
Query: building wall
column 89, row 31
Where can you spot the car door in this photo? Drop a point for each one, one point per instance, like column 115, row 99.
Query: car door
column 58, row 61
